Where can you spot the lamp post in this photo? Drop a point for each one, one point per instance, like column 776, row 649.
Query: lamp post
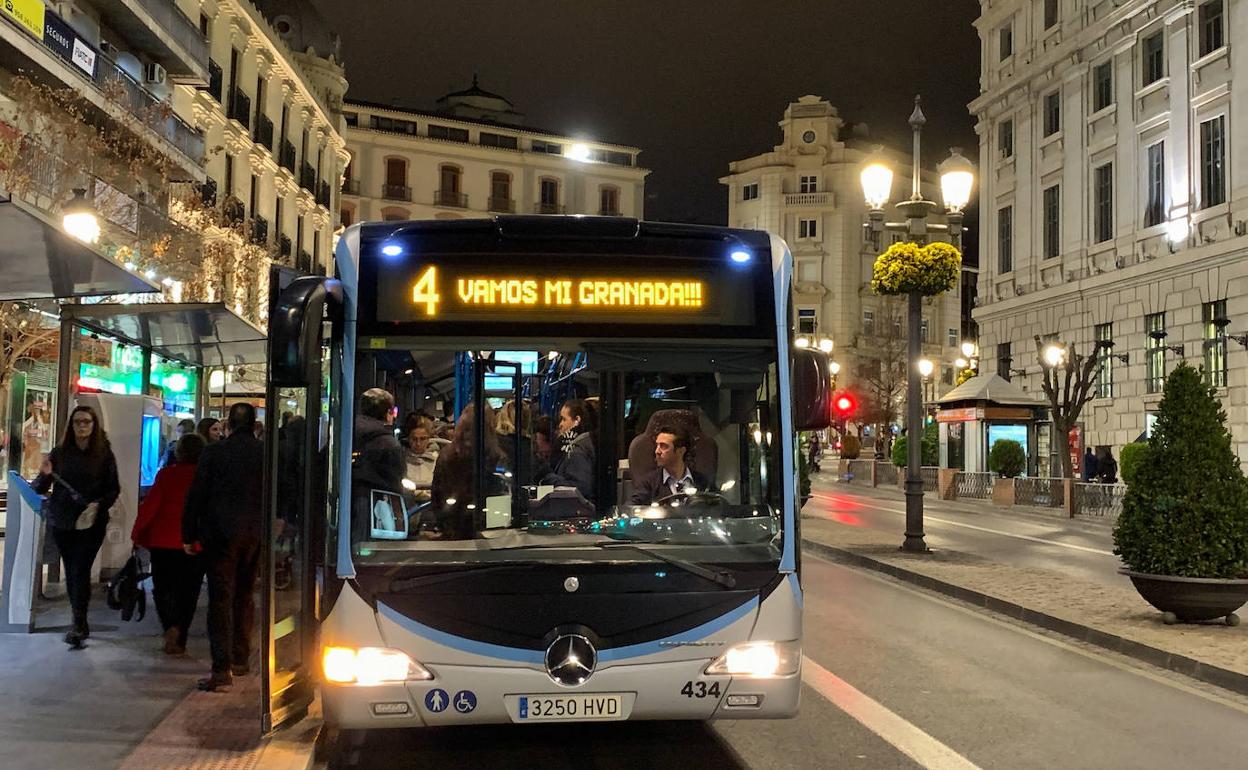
column 79, row 219
column 957, row 175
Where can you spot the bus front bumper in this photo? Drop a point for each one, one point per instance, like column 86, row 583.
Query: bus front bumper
column 463, row 695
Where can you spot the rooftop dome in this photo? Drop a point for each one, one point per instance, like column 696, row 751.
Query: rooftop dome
column 475, row 103
column 301, row 27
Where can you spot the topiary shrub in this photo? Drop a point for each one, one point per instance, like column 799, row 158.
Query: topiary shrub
column 1129, row 460
column 930, row 449
column 1007, row 458
column 851, row 448
column 1186, row 509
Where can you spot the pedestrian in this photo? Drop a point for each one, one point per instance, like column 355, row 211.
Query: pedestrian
column 223, row 520
column 816, row 451
column 177, row 576
column 1091, row 468
column 258, row 430
column 184, row 427
column 209, row 429
column 377, row 459
column 1108, row 466
column 82, row 474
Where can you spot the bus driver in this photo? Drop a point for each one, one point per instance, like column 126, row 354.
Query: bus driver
column 672, row 475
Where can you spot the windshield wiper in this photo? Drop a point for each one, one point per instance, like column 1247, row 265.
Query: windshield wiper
column 406, row 584
column 722, row 577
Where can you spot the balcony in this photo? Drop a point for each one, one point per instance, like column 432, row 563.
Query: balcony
column 286, row 157
column 259, row 230
column 283, row 245
column 502, row 205
column 808, row 199
column 351, row 186
column 264, row 132
column 323, row 194
column 216, row 80
column 240, row 107
column 396, row 192
column 549, row 208
column 452, row 198
column 144, row 105
column 233, row 212
column 158, row 28
column 307, row 177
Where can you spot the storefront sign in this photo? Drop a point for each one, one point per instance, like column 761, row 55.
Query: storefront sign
column 62, row 38
column 962, row 414
column 27, row 13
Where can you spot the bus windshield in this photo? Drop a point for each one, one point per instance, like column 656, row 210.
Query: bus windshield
column 552, row 451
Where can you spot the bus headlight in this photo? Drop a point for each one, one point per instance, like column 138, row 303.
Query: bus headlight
column 761, row 660
column 370, row 665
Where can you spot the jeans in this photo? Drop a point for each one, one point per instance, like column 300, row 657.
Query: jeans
column 78, row 549
column 232, row 570
column 176, row 581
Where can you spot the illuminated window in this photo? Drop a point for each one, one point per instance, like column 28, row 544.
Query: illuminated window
column 1155, row 353
column 1214, row 343
column 1104, row 361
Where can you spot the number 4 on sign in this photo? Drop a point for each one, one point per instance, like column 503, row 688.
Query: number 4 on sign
column 426, row 291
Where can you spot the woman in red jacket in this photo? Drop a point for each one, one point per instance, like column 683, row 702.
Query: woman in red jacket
column 176, row 576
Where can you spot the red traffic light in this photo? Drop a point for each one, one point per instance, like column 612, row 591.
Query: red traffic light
column 844, row 405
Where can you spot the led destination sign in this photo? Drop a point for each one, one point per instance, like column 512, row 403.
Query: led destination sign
column 474, row 292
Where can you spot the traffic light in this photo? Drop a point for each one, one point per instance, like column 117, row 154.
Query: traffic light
column 843, row 406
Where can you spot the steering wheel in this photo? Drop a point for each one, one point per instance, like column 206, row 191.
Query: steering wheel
column 705, row 495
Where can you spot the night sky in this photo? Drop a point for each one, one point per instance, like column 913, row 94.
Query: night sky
column 694, row 83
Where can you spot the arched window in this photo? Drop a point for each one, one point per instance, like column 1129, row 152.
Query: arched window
column 394, row 214
column 448, row 192
column 500, row 192
column 396, row 188
column 609, row 200
column 548, row 196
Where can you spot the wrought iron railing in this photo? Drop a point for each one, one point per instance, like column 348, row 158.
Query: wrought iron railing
column 396, row 192
column 503, row 205
column 216, row 80
column 179, row 26
column 286, row 156
column 351, row 187
column 975, row 485
column 259, row 229
column 451, row 198
column 1099, row 501
column 240, row 107
column 886, row 473
column 1044, row 492
column 307, row 177
column 264, row 132
column 549, row 208
column 323, row 193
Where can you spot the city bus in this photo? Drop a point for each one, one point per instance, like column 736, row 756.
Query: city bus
column 518, row 585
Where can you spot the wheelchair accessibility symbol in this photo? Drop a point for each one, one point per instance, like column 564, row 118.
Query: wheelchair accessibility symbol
column 436, row 701
column 465, row 701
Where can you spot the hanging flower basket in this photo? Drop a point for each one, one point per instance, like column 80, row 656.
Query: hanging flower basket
column 906, row 267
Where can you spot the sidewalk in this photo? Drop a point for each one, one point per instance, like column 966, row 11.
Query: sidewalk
column 122, row 703
column 1112, row 617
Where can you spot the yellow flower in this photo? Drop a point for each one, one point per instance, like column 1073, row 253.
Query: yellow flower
column 905, row 267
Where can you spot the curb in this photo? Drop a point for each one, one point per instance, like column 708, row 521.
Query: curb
column 292, row 748
column 1205, row 672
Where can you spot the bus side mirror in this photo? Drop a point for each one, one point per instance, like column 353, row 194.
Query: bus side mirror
column 295, row 327
column 812, row 390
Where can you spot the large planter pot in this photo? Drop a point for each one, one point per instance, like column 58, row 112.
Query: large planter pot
column 1191, row 600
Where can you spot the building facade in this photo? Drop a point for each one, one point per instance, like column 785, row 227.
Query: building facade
column 807, row 190
column 473, row 157
column 1114, row 198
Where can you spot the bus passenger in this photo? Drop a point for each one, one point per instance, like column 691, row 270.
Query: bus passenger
column 454, row 487
column 376, row 457
column 513, row 437
column 672, row 474
column 543, row 447
column 578, row 437
column 421, row 454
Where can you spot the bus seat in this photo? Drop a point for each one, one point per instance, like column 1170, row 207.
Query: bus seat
column 705, row 452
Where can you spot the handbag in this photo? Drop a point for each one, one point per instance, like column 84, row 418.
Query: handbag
column 125, row 591
column 86, row 519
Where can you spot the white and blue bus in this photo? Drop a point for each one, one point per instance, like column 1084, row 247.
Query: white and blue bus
column 506, row 581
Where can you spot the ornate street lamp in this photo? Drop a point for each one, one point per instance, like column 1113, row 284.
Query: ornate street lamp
column 79, row 219
column 957, row 178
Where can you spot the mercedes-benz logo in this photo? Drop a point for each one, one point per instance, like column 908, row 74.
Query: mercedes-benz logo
column 570, row 659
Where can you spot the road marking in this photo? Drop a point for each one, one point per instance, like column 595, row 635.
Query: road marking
column 871, row 714
column 989, row 530
column 1108, row 657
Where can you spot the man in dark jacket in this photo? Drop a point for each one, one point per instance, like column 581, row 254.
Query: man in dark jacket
column 377, row 460
column 671, row 475
column 223, row 517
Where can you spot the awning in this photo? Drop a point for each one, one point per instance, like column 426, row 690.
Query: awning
column 39, row 261
column 200, row 334
column 991, row 388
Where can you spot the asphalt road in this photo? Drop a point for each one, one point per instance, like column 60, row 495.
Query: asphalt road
column 895, row 678
column 1008, row 536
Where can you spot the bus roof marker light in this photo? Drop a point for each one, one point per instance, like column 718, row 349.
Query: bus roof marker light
column 392, row 250
column 741, row 256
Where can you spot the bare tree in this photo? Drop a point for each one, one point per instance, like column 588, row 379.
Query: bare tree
column 883, row 378
column 1068, row 387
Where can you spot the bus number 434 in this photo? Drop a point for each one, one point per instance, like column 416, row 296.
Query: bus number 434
column 700, row 690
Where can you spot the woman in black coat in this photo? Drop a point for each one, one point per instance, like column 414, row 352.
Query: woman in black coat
column 82, row 474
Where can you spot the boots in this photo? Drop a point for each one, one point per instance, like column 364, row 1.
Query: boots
column 173, row 642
